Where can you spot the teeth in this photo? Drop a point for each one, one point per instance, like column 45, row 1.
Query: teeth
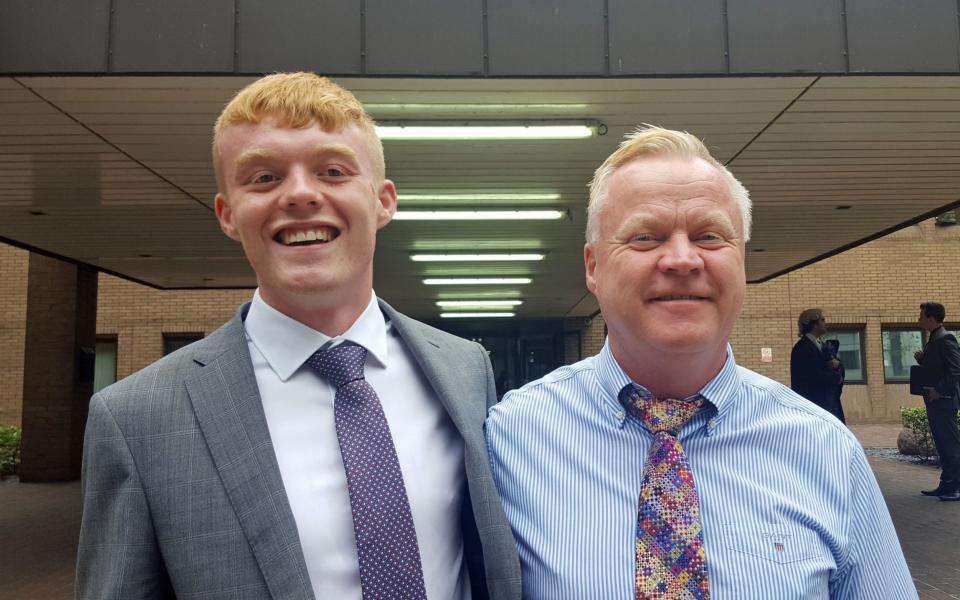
column 312, row 235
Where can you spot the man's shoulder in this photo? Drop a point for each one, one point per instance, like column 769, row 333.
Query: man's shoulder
column 165, row 376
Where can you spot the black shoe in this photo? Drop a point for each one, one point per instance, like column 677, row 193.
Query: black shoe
column 951, row 496
column 939, row 491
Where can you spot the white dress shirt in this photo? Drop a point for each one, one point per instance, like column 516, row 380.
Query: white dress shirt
column 298, row 405
column 816, row 341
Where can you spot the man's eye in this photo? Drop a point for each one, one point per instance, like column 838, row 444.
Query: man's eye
column 333, row 172
column 642, row 237
column 265, row 178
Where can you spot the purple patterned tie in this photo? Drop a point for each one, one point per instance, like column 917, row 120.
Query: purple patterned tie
column 386, row 539
column 671, row 561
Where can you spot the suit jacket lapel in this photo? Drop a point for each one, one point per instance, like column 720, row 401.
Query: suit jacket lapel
column 427, row 353
column 227, row 404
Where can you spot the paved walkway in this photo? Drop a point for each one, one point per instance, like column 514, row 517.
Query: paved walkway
column 39, row 525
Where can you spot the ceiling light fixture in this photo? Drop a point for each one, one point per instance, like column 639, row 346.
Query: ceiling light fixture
column 474, row 257
column 479, row 281
column 478, row 215
column 469, row 197
column 475, row 107
column 477, row 303
column 475, row 315
column 488, row 130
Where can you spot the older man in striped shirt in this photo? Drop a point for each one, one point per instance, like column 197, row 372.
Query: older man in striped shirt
column 659, row 469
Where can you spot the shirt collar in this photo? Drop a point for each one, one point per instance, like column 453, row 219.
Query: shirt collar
column 721, row 391
column 286, row 343
column 813, row 339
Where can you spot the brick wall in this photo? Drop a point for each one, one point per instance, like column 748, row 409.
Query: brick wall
column 882, row 282
column 13, row 299
column 139, row 316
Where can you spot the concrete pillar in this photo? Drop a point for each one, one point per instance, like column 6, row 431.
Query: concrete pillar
column 58, row 366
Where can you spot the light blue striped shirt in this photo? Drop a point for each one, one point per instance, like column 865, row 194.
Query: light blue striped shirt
column 790, row 506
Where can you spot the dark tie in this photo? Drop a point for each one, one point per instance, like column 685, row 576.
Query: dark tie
column 670, row 558
column 386, row 539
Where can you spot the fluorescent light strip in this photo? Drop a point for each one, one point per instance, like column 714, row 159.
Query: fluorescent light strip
column 479, row 281
column 477, row 303
column 475, row 315
column 474, row 257
column 484, row 132
column 519, row 197
column 418, row 106
column 478, row 215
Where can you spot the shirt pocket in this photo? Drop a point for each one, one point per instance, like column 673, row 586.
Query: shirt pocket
column 779, row 544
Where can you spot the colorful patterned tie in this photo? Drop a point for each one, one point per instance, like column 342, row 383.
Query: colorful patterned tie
column 671, row 562
column 386, row 539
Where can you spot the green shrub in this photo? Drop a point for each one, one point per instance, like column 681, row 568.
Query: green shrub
column 915, row 420
column 9, row 449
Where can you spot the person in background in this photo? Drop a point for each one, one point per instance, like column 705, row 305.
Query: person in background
column 940, row 366
column 815, row 374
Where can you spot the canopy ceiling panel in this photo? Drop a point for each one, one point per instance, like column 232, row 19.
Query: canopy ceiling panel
column 116, row 171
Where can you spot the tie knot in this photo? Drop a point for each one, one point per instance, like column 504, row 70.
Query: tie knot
column 659, row 414
column 339, row 365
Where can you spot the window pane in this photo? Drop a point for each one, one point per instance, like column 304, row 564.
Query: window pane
column 174, row 341
column 851, row 354
column 898, row 349
column 105, row 364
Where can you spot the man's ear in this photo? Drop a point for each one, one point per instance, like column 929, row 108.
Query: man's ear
column 387, row 198
column 225, row 217
column 590, row 267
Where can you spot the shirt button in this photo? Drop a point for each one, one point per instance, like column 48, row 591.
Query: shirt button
column 621, row 415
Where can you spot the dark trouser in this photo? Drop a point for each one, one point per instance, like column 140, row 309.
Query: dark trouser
column 946, row 437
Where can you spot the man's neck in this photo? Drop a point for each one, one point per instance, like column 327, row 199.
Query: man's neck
column 329, row 318
column 671, row 376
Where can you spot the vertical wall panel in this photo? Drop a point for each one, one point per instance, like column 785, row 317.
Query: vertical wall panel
column 545, row 37
column 902, row 36
column 666, row 37
column 51, row 36
column 435, row 37
column 173, row 36
column 785, row 36
column 313, row 36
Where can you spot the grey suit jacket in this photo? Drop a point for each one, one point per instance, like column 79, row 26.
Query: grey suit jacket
column 182, row 494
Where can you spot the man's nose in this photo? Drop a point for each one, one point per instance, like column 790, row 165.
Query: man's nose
column 301, row 190
column 680, row 255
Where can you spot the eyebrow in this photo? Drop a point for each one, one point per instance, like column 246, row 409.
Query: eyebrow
column 714, row 218
column 263, row 154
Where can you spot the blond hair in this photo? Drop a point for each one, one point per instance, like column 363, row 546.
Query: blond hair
column 648, row 140
column 807, row 319
column 297, row 100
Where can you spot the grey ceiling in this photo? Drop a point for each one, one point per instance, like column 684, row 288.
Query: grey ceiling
column 120, row 169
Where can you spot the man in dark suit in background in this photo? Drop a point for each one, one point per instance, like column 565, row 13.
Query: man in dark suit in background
column 320, row 444
column 812, row 374
column 940, row 363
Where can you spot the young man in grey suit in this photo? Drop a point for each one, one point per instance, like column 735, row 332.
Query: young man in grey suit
column 319, row 444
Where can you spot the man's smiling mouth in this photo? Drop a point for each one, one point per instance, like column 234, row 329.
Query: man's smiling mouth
column 675, row 297
column 306, row 237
